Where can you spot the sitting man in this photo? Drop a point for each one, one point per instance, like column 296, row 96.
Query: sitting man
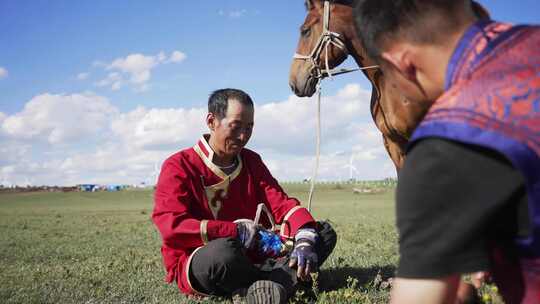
column 205, row 199
column 468, row 196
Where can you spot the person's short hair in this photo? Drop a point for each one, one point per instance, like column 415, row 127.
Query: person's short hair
column 218, row 102
column 419, row 21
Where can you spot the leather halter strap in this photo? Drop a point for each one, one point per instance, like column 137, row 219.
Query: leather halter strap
column 327, row 39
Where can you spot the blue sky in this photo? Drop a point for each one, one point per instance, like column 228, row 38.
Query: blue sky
column 78, row 77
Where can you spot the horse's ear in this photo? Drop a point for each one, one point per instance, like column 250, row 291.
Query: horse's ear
column 308, row 4
column 311, row 4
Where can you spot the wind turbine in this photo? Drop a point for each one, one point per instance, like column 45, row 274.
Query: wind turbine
column 27, row 182
column 352, row 168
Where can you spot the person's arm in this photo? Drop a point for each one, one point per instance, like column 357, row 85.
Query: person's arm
column 172, row 217
column 424, row 291
column 286, row 210
column 296, row 222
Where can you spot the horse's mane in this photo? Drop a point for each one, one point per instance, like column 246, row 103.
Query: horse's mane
column 344, row 2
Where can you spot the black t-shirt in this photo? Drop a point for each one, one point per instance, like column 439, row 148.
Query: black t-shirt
column 453, row 202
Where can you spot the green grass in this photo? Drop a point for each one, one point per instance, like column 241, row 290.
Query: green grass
column 103, row 248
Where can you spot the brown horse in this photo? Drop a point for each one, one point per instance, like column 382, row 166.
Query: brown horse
column 392, row 113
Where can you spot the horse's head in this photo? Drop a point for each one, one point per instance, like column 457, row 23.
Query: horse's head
column 319, row 48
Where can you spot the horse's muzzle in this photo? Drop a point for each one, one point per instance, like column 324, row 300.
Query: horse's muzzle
column 304, row 89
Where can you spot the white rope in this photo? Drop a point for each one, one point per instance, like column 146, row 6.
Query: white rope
column 317, row 148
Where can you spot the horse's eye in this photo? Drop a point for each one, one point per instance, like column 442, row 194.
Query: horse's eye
column 305, row 31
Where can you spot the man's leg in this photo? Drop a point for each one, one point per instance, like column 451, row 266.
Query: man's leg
column 327, row 241
column 220, row 268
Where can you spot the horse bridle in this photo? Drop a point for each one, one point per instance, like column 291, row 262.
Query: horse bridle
column 327, row 39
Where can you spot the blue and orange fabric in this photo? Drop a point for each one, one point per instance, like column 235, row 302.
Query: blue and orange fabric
column 492, row 99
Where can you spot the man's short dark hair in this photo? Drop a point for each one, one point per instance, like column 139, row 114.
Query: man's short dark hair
column 421, row 21
column 218, row 101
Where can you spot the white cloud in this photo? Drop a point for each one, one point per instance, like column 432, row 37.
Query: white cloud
column 332, row 166
column 153, row 128
column 161, row 57
column 237, row 13
column 234, row 14
column 287, row 142
column 338, row 115
column 3, row 72
column 59, row 118
column 137, row 66
column 11, row 151
column 99, row 64
column 135, row 69
column 177, row 57
column 82, row 76
column 114, row 80
column 350, row 91
column 70, row 139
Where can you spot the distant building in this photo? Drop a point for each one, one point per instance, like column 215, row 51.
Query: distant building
column 114, row 187
column 88, row 187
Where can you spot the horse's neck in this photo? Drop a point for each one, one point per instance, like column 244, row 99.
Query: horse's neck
column 358, row 52
column 392, row 113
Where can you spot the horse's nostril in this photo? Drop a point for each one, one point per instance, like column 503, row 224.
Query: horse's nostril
column 293, row 88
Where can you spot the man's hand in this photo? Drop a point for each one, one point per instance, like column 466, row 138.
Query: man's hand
column 247, row 233
column 424, row 291
column 480, row 278
column 304, row 256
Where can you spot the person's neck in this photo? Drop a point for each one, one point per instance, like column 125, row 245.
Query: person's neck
column 220, row 159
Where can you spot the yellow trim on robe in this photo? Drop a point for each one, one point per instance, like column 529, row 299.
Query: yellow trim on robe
column 186, row 273
column 204, row 231
column 289, row 213
column 216, row 193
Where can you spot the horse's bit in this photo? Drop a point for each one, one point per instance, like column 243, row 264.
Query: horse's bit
column 327, row 39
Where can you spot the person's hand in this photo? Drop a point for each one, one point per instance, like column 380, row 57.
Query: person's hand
column 247, row 233
column 304, row 256
column 480, row 278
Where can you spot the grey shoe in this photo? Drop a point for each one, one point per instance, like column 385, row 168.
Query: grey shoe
column 266, row 292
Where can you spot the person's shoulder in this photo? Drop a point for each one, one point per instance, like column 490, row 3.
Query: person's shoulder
column 181, row 156
column 249, row 154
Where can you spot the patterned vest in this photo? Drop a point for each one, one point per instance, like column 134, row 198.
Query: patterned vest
column 492, row 100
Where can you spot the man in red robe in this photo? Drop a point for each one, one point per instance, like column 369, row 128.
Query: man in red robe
column 203, row 197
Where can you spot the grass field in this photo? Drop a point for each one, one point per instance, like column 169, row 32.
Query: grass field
column 102, row 248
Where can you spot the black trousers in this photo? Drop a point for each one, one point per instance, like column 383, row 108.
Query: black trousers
column 221, row 267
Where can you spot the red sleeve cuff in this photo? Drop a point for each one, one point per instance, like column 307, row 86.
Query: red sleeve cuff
column 295, row 219
column 220, row 229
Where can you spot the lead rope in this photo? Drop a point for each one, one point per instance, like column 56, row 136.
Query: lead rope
column 317, row 147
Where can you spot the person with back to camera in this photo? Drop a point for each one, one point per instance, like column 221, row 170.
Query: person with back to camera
column 205, row 201
column 468, row 196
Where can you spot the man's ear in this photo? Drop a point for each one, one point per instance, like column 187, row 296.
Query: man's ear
column 401, row 61
column 211, row 121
